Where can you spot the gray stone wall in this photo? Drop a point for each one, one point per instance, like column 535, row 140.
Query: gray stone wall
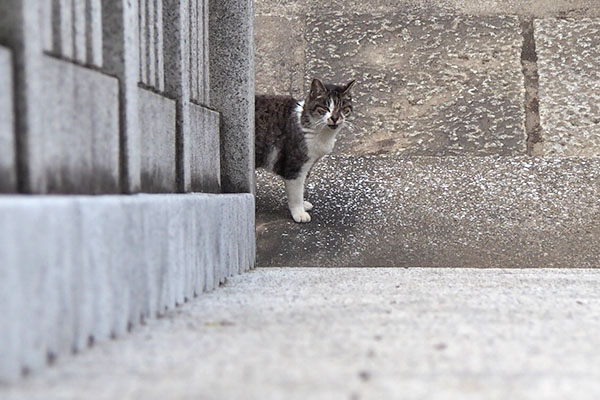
column 103, row 53
column 109, row 97
column 444, row 77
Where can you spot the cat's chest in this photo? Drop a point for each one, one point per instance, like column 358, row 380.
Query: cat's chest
column 320, row 145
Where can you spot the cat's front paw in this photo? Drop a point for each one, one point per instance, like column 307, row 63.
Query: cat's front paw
column 307, row 206
column 301, row 216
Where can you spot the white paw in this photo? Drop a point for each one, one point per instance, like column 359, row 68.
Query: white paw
column 307, row 206
column 301, row 216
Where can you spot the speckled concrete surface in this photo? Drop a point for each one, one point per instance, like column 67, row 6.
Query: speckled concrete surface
column 427, row 85
column 437, row 212
column 569, row 85
column 354, row 334
column 537, row 8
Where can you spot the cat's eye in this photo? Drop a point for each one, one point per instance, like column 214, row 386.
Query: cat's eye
column 347, row 110
column 321, row 110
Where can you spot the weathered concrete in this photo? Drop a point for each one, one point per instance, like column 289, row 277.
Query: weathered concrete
column 80, row 143
column 427, row 85
column 157, row 122
column 205, row 150
column 355, row 334
column 199, row 52
column 437, row 212
column 121, row 55
column 280, row 60
column 569, row 69
column 72, row 30
column 20, row 31
column 537, row 8
column 8, row 175
column 231, row 42
column 152, row 64
column 77, row 270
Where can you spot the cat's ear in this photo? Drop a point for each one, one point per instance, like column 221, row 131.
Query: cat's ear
column 317, row 87
column 349, row 86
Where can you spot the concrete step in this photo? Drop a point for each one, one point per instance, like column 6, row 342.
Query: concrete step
column 354, row 334
column 437, row 212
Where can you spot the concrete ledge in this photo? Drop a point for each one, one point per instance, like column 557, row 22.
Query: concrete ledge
column 437, row 212
column 80, row 269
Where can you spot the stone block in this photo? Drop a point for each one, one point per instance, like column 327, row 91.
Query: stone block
column 8, row 176
column 232, row 89
column 80, row 269
column 205, row 150
column 437, row 212
column 80, row 143
column 280, row 62
column 569, row 85
column 427, row 85
column 157, row 122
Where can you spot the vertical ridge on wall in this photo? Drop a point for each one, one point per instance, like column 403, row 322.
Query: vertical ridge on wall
column 151, row 44
column 72, row 30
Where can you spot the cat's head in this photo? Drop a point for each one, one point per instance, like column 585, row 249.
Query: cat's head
column 328, row 105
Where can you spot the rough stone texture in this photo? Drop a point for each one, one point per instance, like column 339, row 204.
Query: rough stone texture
column 8, row 176
column 199, row 51
column 80, row 145
column 231, row 38
column 77, row 270
column 434, row 85
column 177, row 78
column 121, row 56
column 569, row 69
column 280, row 47
column 72, row 30
column 437, row 212
column 20, row 31
column 157, row 122
column 355, row 334
column 538, row 8
column 152, row 65
column 205, row 150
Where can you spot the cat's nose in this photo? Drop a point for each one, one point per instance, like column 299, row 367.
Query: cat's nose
column 334, row 119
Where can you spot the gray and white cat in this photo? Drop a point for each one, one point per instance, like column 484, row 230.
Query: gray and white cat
column 291, row 136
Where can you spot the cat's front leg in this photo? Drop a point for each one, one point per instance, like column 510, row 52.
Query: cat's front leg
column 294, row 189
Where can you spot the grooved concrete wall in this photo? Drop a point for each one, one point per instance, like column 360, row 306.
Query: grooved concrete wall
column 115, row 97
column 163, row 46
column 59, row 293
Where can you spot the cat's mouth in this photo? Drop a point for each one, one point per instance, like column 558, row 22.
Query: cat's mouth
column 333, row 126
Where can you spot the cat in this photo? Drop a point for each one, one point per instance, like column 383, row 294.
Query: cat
column 291, row 136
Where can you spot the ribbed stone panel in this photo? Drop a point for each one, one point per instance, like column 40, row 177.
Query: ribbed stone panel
column 152, row 64
column 7, row 124
column 199, row 67
column 77, row 270
column 72, row 29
